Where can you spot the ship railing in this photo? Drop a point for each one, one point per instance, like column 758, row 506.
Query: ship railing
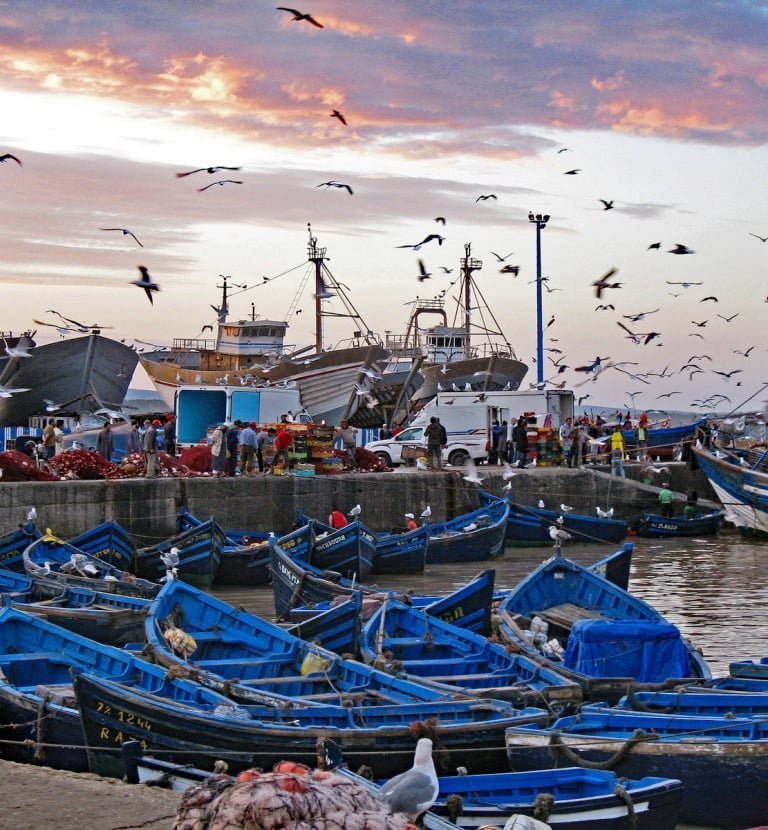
column 180, row 343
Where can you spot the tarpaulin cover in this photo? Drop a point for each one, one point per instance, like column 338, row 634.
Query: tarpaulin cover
column 648, row 651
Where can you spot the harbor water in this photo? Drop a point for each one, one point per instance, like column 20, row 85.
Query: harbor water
column 714, row 589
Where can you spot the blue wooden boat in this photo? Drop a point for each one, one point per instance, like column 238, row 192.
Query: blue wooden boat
column 244, row 556
column 702, row 524
column 751, row 669
column 571, row 798
column 39, row 719
column 199, row 552
column 382, row 736
column 596, row 633
column 696, row 702
column 349, row 550
column 13, row 545
column 722, row 762
column 336, row 629
column 663, row 440
column 742, row 490
column 301, row 590
column 108, row 541
column 63, row 564
column 615, row 567
column 529, row 526
column 395, row 553
column 408, row 642
column 471, row 537
column 246, row 655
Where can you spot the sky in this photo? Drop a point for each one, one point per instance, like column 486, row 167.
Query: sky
column 661, row 107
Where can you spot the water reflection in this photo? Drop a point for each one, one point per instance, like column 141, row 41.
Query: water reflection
column 714, row 589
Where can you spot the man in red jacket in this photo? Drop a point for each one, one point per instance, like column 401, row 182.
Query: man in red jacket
column 283, row 442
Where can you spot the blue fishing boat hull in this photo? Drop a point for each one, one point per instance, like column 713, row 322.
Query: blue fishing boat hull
column 603, row 630
column 350, row 550
column 703, row 524
column 529, row 526
column 723, row 763
column 199, row 555
column 56, row 558
column 469, row 606
column 336, row 629
column 245, row 738
column 742, row 491
column 401, row 553
column 471, row 537
column 569, row 798
column 13, row 545
column 408, row 641
column 750, row 669
column 662, row 441
column 110, row 542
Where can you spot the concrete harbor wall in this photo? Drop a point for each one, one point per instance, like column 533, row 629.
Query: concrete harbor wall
column 147, row 508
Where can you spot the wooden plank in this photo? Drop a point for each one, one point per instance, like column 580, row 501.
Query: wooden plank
column 565, row 615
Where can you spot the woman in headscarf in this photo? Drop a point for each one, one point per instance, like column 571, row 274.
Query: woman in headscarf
column 219, row 450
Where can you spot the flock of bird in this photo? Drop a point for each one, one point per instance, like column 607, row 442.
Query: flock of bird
column 606, row 283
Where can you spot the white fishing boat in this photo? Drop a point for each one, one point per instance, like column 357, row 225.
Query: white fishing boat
column 252, row 352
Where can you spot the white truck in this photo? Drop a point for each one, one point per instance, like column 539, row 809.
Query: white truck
column 469, row 423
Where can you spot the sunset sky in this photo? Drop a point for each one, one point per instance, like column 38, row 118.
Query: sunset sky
column 661, row 107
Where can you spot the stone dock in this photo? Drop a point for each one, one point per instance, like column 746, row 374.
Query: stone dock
column 147, row 508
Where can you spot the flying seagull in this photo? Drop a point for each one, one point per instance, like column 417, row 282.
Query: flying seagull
column 326, row 185
column 510, row 269
column 483, row 198
column 125, row 232
column 16, row 351
column 761, row 238
column 601, row 284
column 297, row 15
column 429, row 238
column 9, row 156
column 440, row 219
column 337, row 114
column 205, row 170
column 608, row 204
column 221, row 181
column 684, row 284
column 654, row 246
column 713, row 298
column 146, row 282
column 680, row 249
column 572, row 172
column 502, row 258
column 423, row 273
column 728, row 319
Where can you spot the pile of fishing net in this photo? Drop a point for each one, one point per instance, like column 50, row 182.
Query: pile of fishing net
column 197, row 458
column 367, row 461
column 291, row 797
column 18, row 466
column 85, row 465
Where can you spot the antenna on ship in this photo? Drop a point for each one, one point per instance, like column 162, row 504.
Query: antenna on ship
column 326, row 287
column 468, row 266
column 223, row 309
column 317, row 256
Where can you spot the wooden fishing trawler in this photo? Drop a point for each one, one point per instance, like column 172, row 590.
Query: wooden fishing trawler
column 252, row 352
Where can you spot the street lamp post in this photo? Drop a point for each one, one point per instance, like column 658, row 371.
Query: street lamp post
column 540, row 220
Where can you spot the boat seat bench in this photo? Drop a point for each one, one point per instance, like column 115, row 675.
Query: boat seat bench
column 566, row 614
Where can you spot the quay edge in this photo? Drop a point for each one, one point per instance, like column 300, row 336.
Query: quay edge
column 147, row 508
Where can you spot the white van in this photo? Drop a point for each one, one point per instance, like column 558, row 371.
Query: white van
column 469, row 431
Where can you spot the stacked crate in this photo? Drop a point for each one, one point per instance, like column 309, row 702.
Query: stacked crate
column 320, row 451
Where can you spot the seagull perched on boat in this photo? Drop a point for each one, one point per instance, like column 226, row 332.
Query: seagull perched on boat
column 426, row 512
column 170, row 558
column 355, row 511
column 415, row 790
column 32, row 514
column 146, row 282
column 604, row 514
column 566, row 508
column 125, row 232
column 471, row 526
column 558, row 535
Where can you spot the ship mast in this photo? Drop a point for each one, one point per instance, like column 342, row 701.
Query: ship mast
column 468, row 265
column 317, row 256
column 223, row 310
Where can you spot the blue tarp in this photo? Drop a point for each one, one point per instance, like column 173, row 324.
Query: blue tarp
column 648, row 651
